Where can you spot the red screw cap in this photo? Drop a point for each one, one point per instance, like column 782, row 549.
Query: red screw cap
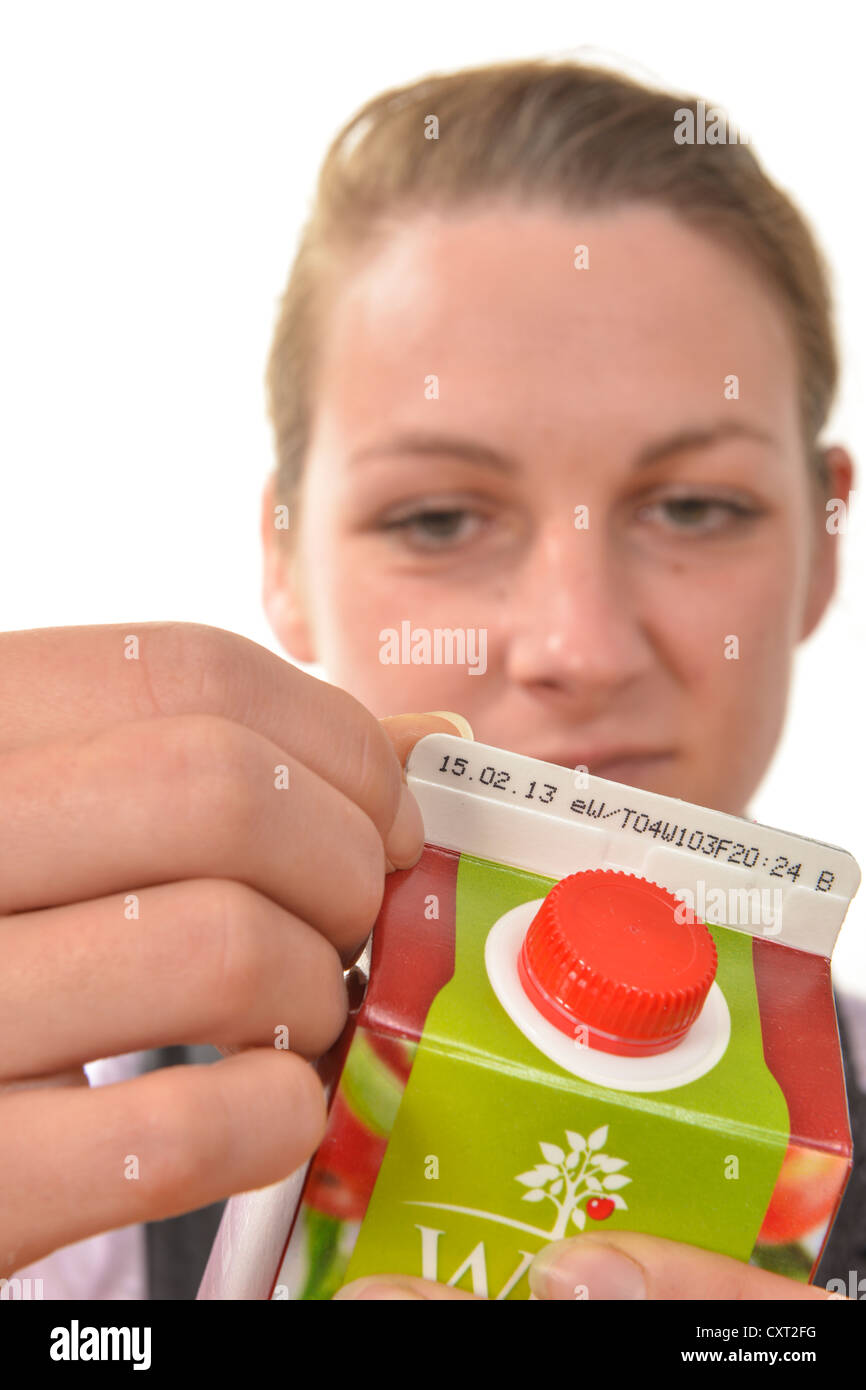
column 606, row 952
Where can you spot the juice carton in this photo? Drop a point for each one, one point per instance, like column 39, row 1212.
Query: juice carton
column 589, row 1007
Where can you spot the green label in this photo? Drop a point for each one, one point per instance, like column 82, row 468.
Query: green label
column 497, row 1150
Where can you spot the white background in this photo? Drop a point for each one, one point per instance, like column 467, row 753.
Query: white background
column 156, row 164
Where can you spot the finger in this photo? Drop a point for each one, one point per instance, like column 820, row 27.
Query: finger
column 392, row 1287
column 404, row 730
column 189, row 797
column 632, row 1266
column 143, row 1150
column 197, row 961
column 76, row 1076
column 72, row 682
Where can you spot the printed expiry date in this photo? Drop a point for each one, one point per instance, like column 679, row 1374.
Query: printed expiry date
column 699, row 841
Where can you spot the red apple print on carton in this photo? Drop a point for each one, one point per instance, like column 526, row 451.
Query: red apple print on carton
column 805, row 1195
column 600, row 1208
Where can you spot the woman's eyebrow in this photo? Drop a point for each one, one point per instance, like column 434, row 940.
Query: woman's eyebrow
column 703, row 437
column 693, row 437
column 456, row 446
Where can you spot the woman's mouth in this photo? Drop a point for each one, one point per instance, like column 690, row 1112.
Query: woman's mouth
column 632, row 770
column 631, row 767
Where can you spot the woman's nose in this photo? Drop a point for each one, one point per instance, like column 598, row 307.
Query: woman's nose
column 573, row 612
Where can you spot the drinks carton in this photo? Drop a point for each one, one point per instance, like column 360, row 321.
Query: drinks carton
column 589, row 1007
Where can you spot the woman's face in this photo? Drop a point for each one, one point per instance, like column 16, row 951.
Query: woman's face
column 590, row 481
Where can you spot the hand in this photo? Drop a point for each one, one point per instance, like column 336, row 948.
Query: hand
column 621, row 1266
column 194, row 842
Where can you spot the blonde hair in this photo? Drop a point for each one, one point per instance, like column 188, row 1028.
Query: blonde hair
column 560, row 133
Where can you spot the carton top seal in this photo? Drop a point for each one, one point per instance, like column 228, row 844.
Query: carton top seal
column 555, row 821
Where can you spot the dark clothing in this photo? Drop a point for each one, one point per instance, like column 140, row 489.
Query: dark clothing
column 846, row 1248
column 178, row 1248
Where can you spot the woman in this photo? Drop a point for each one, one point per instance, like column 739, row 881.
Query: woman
column 546, row 373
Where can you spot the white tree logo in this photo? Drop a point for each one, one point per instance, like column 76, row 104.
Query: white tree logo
column 567, row 1177
column 581, row 1174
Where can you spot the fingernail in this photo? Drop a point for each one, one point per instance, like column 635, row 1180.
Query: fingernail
column 569, row 1270
column 370, row 1289
column 406, row 837
column 463, row 727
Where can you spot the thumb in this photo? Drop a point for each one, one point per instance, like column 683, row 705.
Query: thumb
column 628, row 1265
column 404, row 730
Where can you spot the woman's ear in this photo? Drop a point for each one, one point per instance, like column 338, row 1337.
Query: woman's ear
column 282, row 590
column 830, row 529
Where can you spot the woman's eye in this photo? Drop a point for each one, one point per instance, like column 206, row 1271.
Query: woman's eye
column 698, row 515
column 433, row 530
